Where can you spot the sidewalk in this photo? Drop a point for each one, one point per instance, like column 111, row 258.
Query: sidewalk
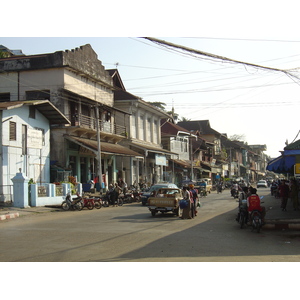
column 10, row 212
column 278, row 219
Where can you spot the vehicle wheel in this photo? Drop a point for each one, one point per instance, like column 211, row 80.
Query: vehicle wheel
column 120, row 203
column 258, row 229
column 98, row 205
column 65, row 205
column 90, row 205
column 242, row 220
column 153, row 213
column 79, row 206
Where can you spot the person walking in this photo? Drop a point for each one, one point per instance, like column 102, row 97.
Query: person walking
column 186, row 212
column 194, row 196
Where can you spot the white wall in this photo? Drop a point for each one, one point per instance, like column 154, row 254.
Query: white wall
column 36, row 160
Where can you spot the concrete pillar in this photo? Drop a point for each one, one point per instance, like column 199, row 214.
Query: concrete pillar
column 20, row 188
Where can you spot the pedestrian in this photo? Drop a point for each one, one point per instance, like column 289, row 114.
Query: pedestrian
column 284, row 194
column 115, row 194
column 194, row 196
column 186, row 212
column 294, row 189
column 123, row 185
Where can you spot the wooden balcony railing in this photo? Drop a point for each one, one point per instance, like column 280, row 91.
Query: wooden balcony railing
column 90, row 123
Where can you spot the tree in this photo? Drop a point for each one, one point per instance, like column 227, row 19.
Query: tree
column 238, row 137
column 159, row 105
column 3, row 54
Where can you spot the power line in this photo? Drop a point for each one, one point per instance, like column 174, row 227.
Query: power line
column 249, row 40
column 214, row 57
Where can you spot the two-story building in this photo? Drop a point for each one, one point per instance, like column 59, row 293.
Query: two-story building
column 76, row 83
column 143, row 135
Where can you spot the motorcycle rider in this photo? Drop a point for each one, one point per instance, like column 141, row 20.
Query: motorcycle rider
column 235, row 188
column 253, row 203
column 243, row 203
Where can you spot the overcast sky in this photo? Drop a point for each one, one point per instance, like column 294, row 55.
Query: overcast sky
column 260, row 105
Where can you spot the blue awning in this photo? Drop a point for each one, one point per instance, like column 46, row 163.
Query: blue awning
column 282, row 164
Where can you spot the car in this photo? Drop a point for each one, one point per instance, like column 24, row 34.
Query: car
column 262, row 183
column 154, row 188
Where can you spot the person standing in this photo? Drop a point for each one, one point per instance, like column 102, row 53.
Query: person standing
column 284, row 194
column 186, row 212
column 294, row 189
column 115, row 194
column 123, row 185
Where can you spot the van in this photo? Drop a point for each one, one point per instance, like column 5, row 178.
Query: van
column 208, row 184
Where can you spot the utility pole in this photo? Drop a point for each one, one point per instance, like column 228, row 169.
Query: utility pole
column 98, row 147
column 191, row 154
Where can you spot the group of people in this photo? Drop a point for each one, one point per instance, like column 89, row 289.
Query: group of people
column 286, row 189
column 114, row 190
column 250, row 201
column 190, row 195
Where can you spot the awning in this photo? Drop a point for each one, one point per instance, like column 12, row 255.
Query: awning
column 151, row 148
column 106, row 148
column 282, row 164
column 183, row 163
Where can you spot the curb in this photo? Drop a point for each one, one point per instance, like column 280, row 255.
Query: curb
column 9, row 216
column 291, row 224
column 282, row 226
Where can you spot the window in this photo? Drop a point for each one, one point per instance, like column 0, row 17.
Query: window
column 133, row 126
column 12, row 131
column 4, row 97
column 32, row 112
column 24, row 139
column 141, row 128
column 38, row 95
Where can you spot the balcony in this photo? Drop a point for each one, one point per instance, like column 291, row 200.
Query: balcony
column 86, row 126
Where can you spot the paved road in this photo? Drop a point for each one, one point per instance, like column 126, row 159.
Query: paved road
column 130, row 233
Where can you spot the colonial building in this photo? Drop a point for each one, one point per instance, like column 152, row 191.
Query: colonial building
column 76, row 83
column 143, row 132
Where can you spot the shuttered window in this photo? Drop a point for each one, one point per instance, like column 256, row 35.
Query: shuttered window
column 12, row 131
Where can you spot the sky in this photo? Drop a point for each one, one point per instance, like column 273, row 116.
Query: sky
column 259, row 105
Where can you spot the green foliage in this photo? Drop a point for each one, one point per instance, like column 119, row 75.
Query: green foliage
column 159, row 105
column 31, row 181
column 3, row 54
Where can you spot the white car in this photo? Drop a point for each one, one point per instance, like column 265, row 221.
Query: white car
column 262, row 183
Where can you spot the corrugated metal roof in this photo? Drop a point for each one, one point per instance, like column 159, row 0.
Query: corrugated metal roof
column 108, row 148
column 45, row 107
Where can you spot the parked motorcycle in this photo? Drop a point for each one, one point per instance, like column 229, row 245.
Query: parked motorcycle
column 75, row 203
column 89, row 202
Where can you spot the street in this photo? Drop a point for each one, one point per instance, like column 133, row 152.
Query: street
column 130, row 234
